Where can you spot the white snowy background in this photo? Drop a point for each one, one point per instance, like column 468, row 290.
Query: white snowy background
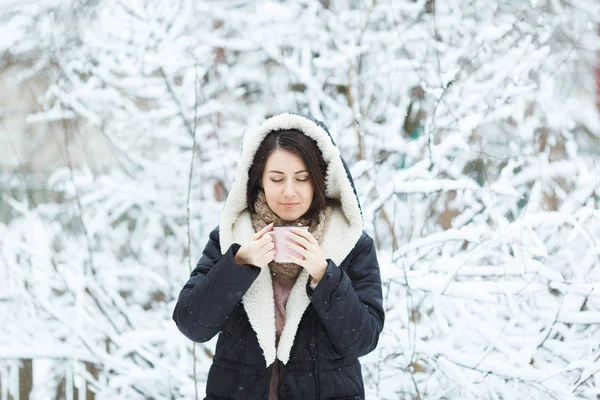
column 471, row 128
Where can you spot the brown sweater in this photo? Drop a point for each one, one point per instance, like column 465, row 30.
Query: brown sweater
column 281, row 291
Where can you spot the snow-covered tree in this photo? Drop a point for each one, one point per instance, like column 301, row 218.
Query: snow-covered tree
column 470, row 126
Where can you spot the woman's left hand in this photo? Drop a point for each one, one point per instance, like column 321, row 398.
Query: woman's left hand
column 306, row 245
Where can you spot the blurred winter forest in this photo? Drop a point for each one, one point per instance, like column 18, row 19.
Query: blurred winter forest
column 472, row 128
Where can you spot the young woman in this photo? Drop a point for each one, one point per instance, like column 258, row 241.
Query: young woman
column 290, row 330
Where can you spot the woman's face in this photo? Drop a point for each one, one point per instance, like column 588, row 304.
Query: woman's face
column 287, row 185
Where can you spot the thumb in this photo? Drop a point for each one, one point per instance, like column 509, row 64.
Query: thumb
column 264, row 230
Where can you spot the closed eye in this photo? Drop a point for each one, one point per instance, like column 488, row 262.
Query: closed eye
column 281, row 180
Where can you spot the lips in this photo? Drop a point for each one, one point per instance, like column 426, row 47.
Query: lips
column 289, row 204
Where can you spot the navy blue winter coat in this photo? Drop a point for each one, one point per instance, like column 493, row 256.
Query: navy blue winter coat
column 329, row 328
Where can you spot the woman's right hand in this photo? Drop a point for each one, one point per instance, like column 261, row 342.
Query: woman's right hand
column 260, row 251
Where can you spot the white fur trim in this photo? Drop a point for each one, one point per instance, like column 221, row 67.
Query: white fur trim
column 340, row 236
column 297, row 303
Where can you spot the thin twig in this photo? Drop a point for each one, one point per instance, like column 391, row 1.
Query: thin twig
column 191, row 129
column 187, row 206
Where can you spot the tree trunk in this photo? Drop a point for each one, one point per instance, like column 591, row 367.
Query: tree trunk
column 92, row 370
column 25, row 379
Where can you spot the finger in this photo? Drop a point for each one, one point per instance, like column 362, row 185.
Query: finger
column 305, row 234
column 260, row 234
column 299, row 239
column 296, row 260
column 265, row 239
column 267, row 251
column 264, row 230
column 298, row 249
column 268, row 246
column 269, row 256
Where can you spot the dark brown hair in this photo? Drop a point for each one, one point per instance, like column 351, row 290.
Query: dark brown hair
column 296, row 142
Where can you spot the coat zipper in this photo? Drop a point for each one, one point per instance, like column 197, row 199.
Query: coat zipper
column 317, row 372
column 268, row 389
column 315, row 354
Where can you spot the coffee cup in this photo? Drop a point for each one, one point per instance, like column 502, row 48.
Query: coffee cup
column 282, row 252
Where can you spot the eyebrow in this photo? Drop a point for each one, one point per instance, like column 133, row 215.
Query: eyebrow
column 297, row 172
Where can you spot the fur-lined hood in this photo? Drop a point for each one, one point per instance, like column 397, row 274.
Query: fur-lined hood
column 341, row 235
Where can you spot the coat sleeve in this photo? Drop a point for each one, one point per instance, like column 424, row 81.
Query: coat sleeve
column 215, row 287
column 350, row 305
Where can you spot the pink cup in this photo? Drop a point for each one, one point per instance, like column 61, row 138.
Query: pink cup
column 282, row 252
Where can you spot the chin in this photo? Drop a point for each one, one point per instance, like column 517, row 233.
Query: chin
column 289, row 216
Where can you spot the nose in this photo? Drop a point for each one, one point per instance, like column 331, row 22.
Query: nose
column 289, row 189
